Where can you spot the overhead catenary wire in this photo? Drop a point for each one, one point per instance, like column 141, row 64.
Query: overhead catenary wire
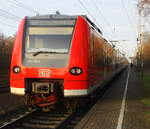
column 103, row 17
column 133, row 16
column 100, row 12
column 6, row 24
column 8, row 17
column 131, row 8
column 88, row 12
column 126, row 11
column 81, row 3
column 9, row 14
column 22, row 5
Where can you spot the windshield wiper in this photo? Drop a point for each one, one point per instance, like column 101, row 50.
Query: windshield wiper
column 45, row 52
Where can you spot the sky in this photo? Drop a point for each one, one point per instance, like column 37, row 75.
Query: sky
column 117, row 19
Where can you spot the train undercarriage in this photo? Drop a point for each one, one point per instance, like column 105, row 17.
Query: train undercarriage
column 45, row 94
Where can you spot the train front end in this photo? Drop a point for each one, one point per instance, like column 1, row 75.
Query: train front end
column 49, row 59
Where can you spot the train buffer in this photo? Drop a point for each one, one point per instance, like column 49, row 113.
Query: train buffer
column 119, row 108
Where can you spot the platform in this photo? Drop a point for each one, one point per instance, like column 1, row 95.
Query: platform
column 117, row 109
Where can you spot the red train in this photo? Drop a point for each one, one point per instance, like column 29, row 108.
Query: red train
column 60, row 58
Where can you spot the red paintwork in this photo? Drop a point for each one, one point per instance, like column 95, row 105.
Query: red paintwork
column 45, row 101
column 80, row 55
column 16, row 80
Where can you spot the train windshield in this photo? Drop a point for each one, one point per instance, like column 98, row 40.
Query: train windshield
column 48, row 39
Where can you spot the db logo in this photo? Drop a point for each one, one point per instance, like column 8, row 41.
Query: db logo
column 44, row 73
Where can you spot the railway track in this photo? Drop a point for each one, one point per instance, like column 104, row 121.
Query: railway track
column 7, row 125
column 55, row 119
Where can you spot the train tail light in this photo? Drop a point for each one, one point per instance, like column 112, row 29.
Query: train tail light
column 16, row 69
column 76, row 70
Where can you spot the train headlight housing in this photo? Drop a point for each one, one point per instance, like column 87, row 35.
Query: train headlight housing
column 16, row 69
column 76, row 70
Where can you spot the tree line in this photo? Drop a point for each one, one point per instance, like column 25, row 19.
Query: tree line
column 143, row 53
column 6, row 46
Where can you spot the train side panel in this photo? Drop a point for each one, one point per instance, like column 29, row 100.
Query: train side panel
column 88, row 54
column 17, row 80
column 96, row 60
column 77, row 85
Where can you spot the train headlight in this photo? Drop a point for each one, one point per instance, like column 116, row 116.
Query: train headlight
column 16, row 69
column 76, row 71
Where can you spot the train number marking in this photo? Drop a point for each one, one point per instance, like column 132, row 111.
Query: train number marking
column 44, row 73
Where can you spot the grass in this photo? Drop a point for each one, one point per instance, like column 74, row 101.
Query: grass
column 147, row 116
column 145, row 90
column 145, row 80
column 146, row 101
